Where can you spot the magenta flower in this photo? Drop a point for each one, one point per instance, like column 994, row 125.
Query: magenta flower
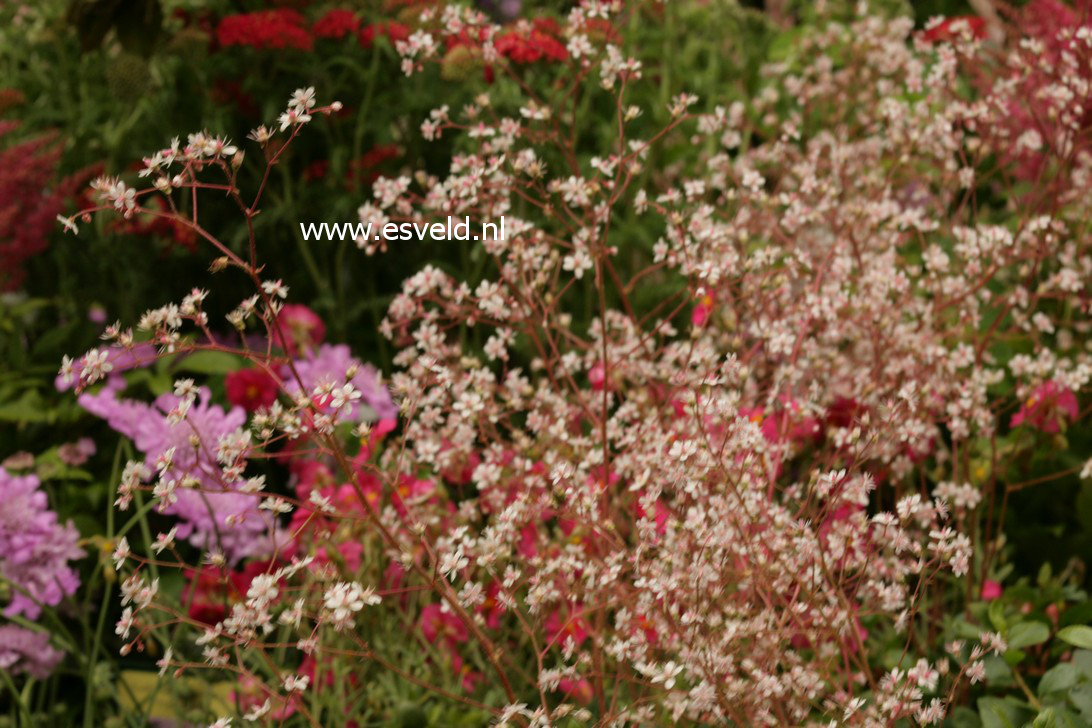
column 991, row 590
column 34, row 548
column 1043, row 407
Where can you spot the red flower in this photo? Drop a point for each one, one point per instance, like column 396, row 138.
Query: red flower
column 363, row 168
column 31, row 197
column 528, row 44
column 267, row 29
column 336, row 23
column 1043, row 408
column 251, row 388
column 211, row 591
column 316, row 170
column 564, row 625
column 226, row 92
column 952, row 28
column 394, row 32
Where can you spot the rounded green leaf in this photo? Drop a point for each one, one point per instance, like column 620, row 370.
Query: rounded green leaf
column 1079, row 635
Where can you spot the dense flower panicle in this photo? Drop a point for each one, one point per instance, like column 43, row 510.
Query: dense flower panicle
column 35, row 548
column 336, row 23
column 31, row 198
column 722, row 501
column 275, row 29
column 531, row 42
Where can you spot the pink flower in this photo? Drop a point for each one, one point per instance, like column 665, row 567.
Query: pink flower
column 578, row 690
column 1046, row 403
column 302, row 327
column 991, row 590
column 563, row 625
column 437, row 624
column 699, row 317
column 597, row 375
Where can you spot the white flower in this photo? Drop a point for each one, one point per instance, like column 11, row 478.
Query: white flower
column 667, row 674
column 296, row 683
column 262, row 591
column 121, row 553
column 165, row 662
column 343, row 600
column 303, row 99
column 69, row 224
column 452, row 562
column 256, row 713
column 165, row 540
column 125, row 623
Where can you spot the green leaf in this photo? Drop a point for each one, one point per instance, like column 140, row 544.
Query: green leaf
column 1058, row 678
column 1003, row 713
column 1083, row 660
column 28, row 408
column 997, row 615
column 1079, row 635
column 1025, row 634
column 1081, row 699
column 209, row 362
column 998, row 673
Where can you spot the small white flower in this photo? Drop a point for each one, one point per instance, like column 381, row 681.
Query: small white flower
column 165, row 662
column 165, row 540
column 303, row 99
column 296, row 683
column 69, row 224
column 121, row 553
column 258, row 712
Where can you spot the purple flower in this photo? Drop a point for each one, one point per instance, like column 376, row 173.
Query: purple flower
column 34, row 548
column 22, row 650
column 214, row 515
column 328, row 364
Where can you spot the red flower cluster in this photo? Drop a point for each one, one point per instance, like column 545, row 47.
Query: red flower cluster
column 30, row 199
column 268, row 29
column 336, row 23
column 394, row 32
column 531, row 42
